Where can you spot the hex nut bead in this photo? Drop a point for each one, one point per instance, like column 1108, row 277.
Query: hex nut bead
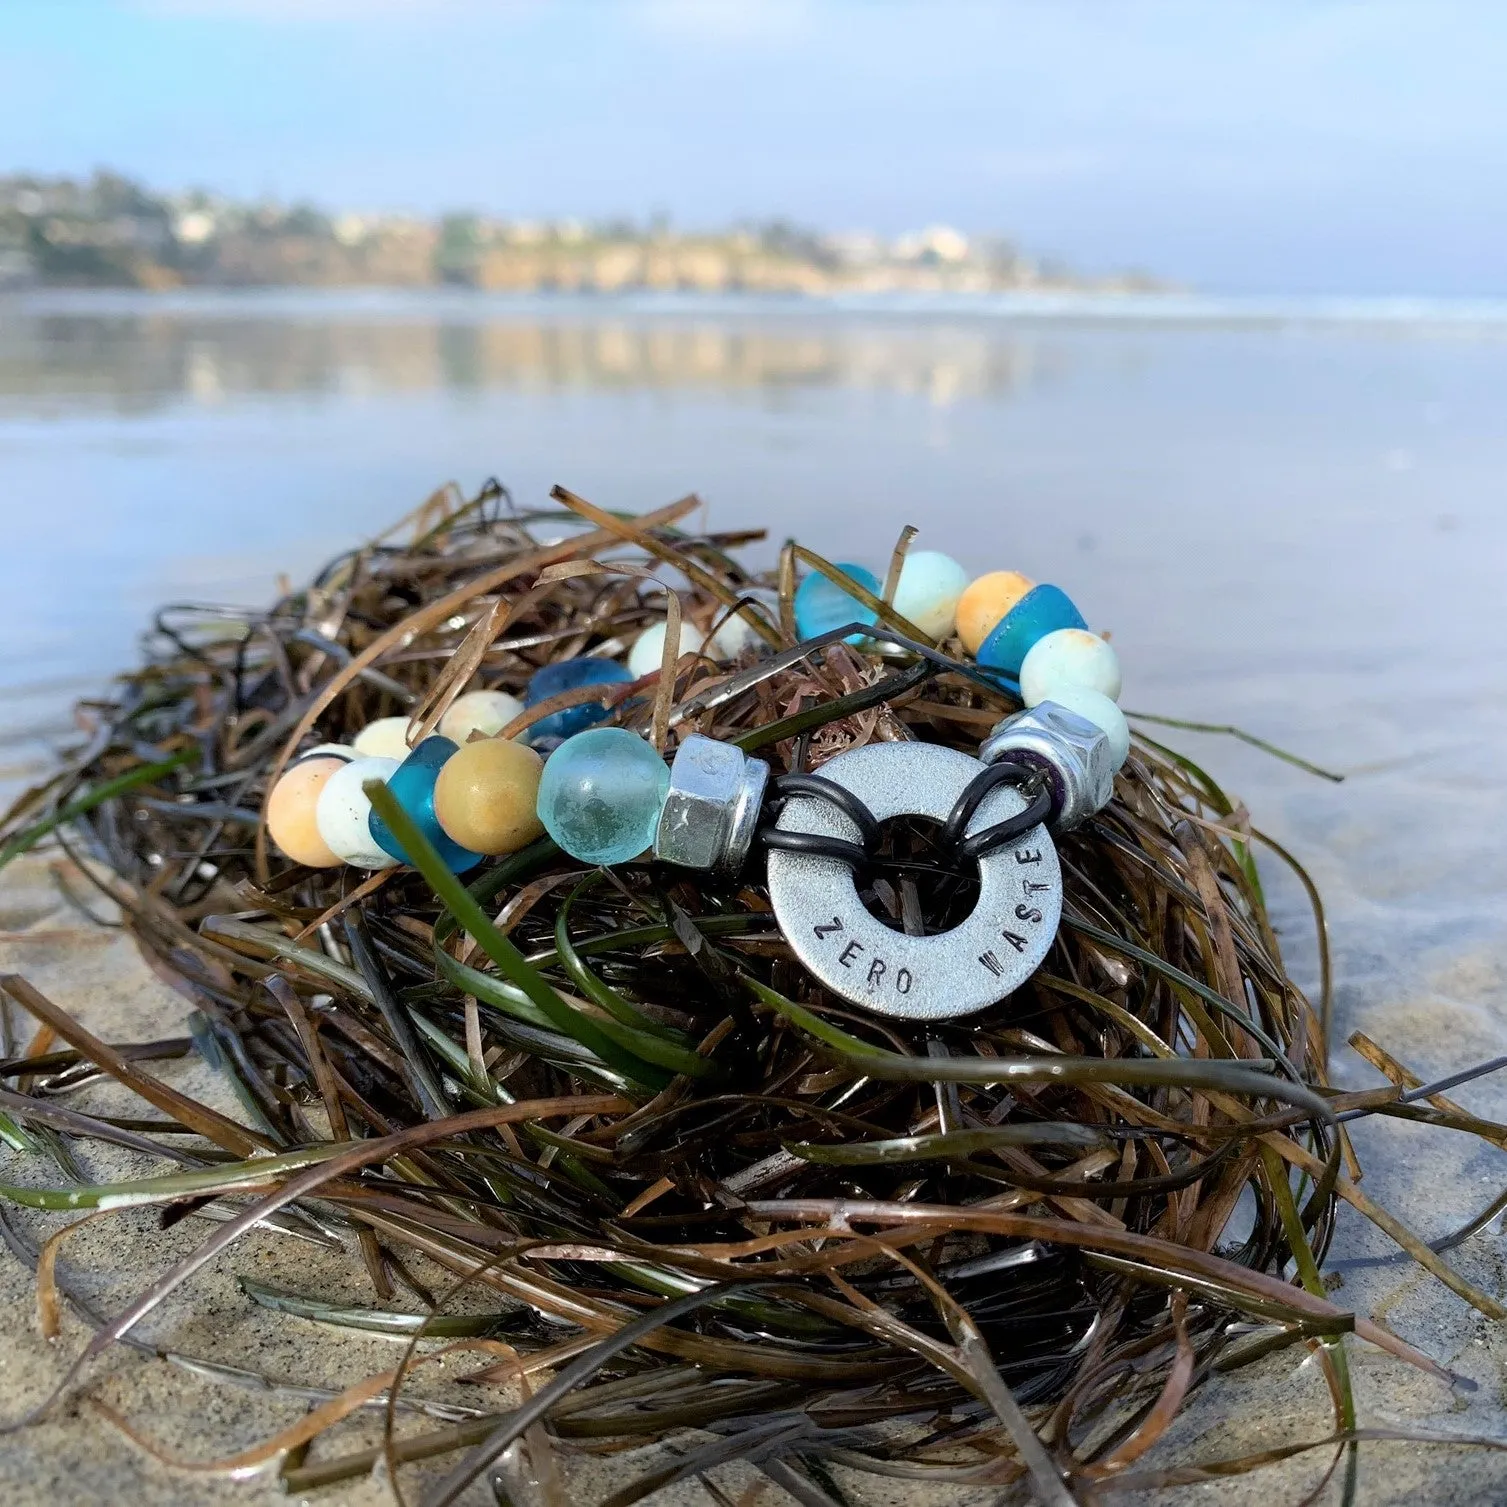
column 712, row 810
column 1074, row 754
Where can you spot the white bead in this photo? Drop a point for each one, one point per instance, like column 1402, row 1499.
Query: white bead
column 648, row 650
column 343, row 812
column 486, row 712
column 1093, row 706
column 928, row 591
column 737, row 634
column 327, row 751
column 386, row 738
column 1069, row 656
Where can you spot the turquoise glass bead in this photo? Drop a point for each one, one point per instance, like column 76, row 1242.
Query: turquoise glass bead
column 412, row 782
column 928, row 590
column 1042, row 610
column 821, row 605
column 601, row 795
column 570, row 675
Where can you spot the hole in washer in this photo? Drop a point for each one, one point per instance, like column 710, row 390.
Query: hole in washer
column 913, row 882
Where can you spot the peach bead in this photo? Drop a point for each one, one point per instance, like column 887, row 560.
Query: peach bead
column 487, row 794
column 985, row 601
column 290, row 812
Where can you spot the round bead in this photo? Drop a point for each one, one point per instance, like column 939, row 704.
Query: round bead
column 647, row 653
column 291, row 823
column 343, row 813
column 486, row 797
column 1094, row 706
column 386, row 738
column 822, row 605
column 1041, row 611
column 985, row 602
column 412, row 784
column 570, row 675
column 486, row 712
column 736, row 633
column 342, row 751
column 1069, row 656
column 601, row 794
column 928, row 591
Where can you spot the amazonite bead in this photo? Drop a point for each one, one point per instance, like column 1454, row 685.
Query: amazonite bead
column 647, row 653
column 485, row 712
column 1070, row 656
column 736, row 633
column 822, row 605
column 928, row 591
column 343, row 814
column 601, row 795
column 1042, row 610
column 1096, row 707
column 386, row 738
column 570, row 675
column 412, row 784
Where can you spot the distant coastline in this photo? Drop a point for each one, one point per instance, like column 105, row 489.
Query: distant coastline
column 112, row 232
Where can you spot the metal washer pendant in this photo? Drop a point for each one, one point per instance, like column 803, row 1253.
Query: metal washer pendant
column 854, row 953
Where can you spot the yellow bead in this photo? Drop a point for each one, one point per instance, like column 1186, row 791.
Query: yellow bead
column 985, row 602
column 487, row 794
column 290, row 812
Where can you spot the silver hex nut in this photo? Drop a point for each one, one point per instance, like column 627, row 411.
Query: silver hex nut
column 1074, row 755
column 710, row 815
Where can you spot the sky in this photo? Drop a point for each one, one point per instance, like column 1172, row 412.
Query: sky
column 1335, row 146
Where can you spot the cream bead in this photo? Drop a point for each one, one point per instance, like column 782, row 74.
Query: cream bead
column 1094, row 706
column 928, row 591
column 985, row 602
column 1070, row 656
column 648, row 649
column 342, row 751
column 487, row 794
column 386, row 738
column 291, row 820
column 735, row 633
column 486, row 712
column 343, row 813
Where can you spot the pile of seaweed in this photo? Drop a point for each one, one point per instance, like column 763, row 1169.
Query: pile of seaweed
column 714, row 1204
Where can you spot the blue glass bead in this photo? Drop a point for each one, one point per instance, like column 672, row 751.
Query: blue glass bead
column 412, row 782
column 570, row 675
column 601, row 795
column 1042, row 610
column 822, row 605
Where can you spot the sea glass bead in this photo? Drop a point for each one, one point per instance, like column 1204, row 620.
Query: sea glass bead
column 735, row 633
column 822, row 605
column 647, row 653
column 486, row 796
column 570, row 675
column 601, row 794
column 412, row 784
column 985, row 602
column 343, row 813
column 486, row 712
column 928, row 590
column 1042, row 610
column 1069, row 656
column 291, row 822
column 1094, row 706
column 386, row 738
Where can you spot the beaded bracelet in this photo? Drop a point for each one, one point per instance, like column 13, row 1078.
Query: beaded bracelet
column 606, row 796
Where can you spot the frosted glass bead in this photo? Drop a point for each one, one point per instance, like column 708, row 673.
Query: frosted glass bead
column 601, row 795
column 985, row 602
column 386, row 738
column 822, row 605
column 291, row 822
column 486, row 796
column 928, row 591
column 343, row 813
column 648, row 649
column 1094, row 706
column 412, row 783
column 1069, row 656
column 569, row 675
column 486, row 712
column 736, row 633
column 1041, row 611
